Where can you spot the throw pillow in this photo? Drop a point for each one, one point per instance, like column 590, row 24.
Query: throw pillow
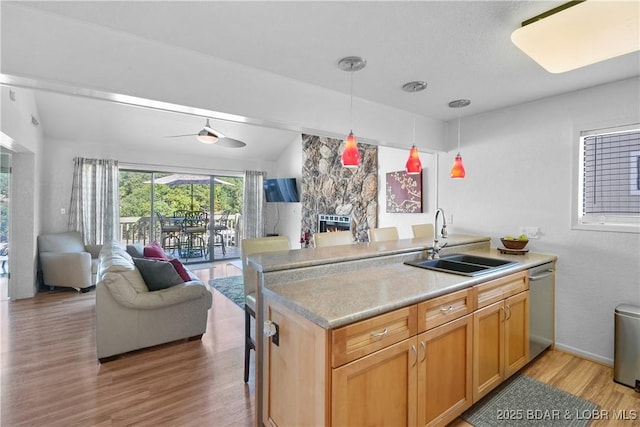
column 157, row 274
column 154, row 250
column 136, row 251
column 180, row 269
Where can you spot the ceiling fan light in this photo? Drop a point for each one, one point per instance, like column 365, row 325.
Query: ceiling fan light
column 207, row 137
column 350, row 154
column 457, row 170
column 414, row 165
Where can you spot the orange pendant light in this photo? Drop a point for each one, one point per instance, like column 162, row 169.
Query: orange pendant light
column 350, row 154
column 414, row 165
column 457, row 170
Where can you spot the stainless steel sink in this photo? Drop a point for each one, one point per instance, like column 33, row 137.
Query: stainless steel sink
column 463, row 264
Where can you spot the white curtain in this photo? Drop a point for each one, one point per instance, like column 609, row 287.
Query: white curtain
column 95, row 209
column 253, row 210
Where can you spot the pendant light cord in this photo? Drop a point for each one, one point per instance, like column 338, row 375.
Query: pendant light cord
column 351, row 106
column 458, row 130
column 414, row 130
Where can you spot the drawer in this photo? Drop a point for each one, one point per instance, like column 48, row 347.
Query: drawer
column 445, row 308
column 499, row 289
column 354, row 341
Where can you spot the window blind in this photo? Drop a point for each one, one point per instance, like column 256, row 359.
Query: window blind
column 611, row 182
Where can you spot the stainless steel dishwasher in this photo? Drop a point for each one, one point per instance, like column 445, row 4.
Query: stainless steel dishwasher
column 541, row 308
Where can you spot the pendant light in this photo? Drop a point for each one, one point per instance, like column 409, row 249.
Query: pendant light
column 414, row 165
column 457, row 170
column 350, row 153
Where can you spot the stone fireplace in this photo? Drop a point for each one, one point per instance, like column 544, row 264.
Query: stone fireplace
column 328, row 223
column 330, row 189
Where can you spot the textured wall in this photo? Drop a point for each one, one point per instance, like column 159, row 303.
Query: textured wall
column 329, row 188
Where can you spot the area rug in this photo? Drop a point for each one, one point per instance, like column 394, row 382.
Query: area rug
column 523, row 401
column 231, row 287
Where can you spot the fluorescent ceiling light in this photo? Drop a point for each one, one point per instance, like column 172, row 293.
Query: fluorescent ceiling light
column 580, row 33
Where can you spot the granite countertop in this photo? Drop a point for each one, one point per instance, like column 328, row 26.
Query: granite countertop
column 309, row 257
column 336, row 300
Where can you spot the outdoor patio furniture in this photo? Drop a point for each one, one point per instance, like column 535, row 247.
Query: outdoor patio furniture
column 169, row 233
column 193, row 234
column 219, row 230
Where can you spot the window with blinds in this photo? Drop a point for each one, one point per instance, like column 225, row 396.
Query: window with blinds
column 610, row 165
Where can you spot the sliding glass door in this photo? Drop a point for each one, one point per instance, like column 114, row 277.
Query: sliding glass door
column 194, row 217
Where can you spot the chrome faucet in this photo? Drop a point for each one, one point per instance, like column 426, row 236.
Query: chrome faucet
column 442, row 233
column 435, row 251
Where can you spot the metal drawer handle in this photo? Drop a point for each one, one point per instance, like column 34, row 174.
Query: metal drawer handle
column 446, row 310
column 547, row 273
column 415, row 352
column 380, row 334
column 424, row 350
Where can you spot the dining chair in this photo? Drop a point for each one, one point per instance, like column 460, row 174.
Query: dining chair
column 193, row 234
column 333, row 238
column 423, row 231
column 250, row 275
column 169, row 233
column 220, row 229
column 383, row 234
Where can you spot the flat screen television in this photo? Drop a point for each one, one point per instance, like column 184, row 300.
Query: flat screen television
column 281, row 190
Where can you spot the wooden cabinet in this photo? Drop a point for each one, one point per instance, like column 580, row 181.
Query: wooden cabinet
column 445, row 308
column 419, row 365
column 444, row 372
column 295, row 371
column 378, row 389
column 419, row 381
column 500, row 332
column 358, row 339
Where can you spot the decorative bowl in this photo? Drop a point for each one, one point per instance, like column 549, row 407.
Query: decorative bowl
column 514, row 243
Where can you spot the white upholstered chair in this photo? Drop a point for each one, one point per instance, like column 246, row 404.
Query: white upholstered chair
column 333, row 238
column 65, row 261
column 423, row 231
column 383, row 234
column 250, row 275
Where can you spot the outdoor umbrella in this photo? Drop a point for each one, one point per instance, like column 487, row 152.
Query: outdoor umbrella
column 183, row 179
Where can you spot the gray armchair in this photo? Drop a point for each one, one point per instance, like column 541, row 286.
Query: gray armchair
column 65, row 261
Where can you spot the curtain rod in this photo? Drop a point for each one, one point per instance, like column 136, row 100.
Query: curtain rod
column 178, row 169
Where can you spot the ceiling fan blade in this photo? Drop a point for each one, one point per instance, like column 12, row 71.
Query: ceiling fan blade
column 230, row 143
column 179, row 136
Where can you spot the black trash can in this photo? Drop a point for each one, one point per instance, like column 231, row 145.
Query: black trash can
column 626, row 359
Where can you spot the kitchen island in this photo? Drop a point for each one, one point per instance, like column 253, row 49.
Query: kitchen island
column 353, row 326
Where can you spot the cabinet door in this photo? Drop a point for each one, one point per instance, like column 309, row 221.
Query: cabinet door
column 444, row 372
column 516, row 333
column 378, row 389
column 488, row 349
column 295, row 371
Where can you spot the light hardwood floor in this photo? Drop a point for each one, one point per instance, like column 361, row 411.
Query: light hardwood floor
column 49, row 375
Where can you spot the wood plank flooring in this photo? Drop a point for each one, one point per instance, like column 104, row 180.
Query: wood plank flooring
column 49, row 374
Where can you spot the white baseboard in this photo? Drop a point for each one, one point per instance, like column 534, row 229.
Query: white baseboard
column 584, row 354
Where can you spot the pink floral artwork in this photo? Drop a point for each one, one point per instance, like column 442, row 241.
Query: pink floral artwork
column 404, row 192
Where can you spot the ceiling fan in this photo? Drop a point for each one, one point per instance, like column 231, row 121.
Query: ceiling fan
column 210, row 136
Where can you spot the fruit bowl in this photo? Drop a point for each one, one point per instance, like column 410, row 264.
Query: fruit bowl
column 512, row 243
